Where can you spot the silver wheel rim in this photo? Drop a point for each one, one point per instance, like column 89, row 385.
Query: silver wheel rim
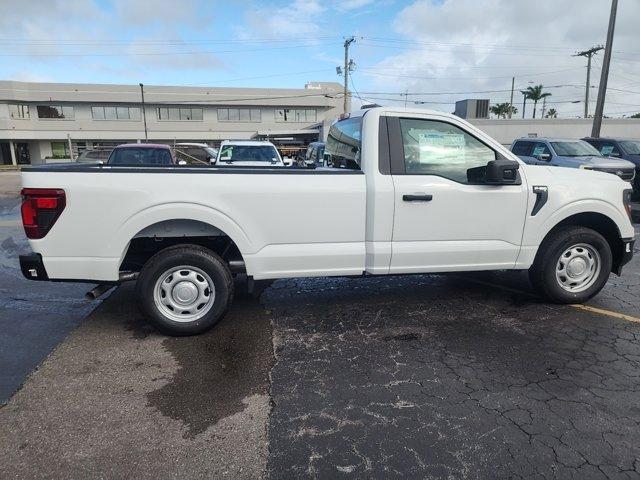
column 184, row 293
column 578, row 268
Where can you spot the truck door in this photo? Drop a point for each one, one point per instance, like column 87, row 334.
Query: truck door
column 444, row 220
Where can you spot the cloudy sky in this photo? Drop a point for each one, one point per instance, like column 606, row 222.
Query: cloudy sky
column 429, row 51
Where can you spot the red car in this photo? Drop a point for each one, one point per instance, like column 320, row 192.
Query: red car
column 143, row 154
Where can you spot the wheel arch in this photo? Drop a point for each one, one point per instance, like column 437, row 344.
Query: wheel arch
column 183, row 223
column 599, row 222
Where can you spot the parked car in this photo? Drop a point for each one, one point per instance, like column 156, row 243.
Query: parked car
column 623, row 148
column 315, row 154
column 194, row 153
column 248, row 153
column 429, row 187
column 561, row 152
column 94, row 155
column 142, row 154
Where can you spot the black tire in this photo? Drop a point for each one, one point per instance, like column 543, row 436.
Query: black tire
column 201, row 259
column 542, row 273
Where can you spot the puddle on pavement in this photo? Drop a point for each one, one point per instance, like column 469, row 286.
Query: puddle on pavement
column 218, row 369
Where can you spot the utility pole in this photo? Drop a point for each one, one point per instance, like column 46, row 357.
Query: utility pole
column 524, row 101
column 544, row 106
column 588, row 53
column 513, row 82
column 144, row 114
column 604, row 77
column 348, row 64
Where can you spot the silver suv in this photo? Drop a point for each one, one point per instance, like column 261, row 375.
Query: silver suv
column 561, row 152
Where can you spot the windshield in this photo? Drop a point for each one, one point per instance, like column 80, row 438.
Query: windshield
column 249, row 153
column 575, row 149
column 140, row 156
column 632, row 148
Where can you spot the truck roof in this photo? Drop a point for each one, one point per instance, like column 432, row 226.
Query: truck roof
column 143, row 145
column 547, row 139
column 391, row 109
column 246, row 142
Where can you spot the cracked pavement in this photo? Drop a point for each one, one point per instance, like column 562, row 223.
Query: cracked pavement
column 430, row 376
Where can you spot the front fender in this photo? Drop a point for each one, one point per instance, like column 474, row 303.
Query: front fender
column 536, row 232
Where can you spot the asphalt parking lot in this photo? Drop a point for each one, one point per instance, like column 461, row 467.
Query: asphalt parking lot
column 430, row 376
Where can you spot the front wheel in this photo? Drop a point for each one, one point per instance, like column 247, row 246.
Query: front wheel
column 572, row 265
column 185, row 289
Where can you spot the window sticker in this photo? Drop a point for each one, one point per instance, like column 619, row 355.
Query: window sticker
column 538, row 150
column 439, row 148
column 226, row 154
column 606, row 149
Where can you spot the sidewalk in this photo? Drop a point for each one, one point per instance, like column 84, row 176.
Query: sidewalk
column 9, row 183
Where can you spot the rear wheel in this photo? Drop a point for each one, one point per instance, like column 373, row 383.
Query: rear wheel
column 572, row 265
column 185, row 289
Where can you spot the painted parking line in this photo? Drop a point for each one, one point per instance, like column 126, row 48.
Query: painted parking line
column 10, row 223
column 586, row 308
column 610, row 313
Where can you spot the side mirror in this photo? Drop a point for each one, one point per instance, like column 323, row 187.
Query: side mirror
column 502, row 172
column 182, row 162
column 544, row 156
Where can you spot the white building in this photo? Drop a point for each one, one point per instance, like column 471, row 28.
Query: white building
column 505, row 131
column 38, row 121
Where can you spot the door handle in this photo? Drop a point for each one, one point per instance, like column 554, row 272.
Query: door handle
column 417, row 198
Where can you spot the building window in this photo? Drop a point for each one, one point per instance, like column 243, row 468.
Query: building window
column 59, row 150
column 115, row 113
column 179, row 114
column 19, row 111
column 55, row 111
column 296, row 115
column 239, row 115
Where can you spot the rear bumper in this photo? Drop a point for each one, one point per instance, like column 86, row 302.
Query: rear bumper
column 627, row 254
column 32, row 267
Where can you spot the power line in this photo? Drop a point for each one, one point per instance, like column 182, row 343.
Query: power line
column 161, row 54
column 31, row 42
column 420, row 77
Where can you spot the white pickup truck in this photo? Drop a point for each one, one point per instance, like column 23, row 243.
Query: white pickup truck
column 409, row 191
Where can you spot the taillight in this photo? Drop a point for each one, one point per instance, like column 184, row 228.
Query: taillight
column 41, row 207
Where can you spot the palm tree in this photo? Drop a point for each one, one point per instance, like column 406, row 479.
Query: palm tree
column 552, row 113
column 501, row 110
column 536, row 94
column 525, row 94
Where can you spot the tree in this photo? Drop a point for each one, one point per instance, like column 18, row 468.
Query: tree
column 552, row 113
column 536, row 94
column 635, row 115
column 501, row 110
column 524, row 102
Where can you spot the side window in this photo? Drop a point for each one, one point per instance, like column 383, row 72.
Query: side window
column 522, row 148
column 437, row 148
column 609, row 149
column 344, row 142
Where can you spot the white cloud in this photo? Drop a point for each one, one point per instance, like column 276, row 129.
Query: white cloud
column 347, row 5
column 296, row 19
column 462, row 45
column 60, row 32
